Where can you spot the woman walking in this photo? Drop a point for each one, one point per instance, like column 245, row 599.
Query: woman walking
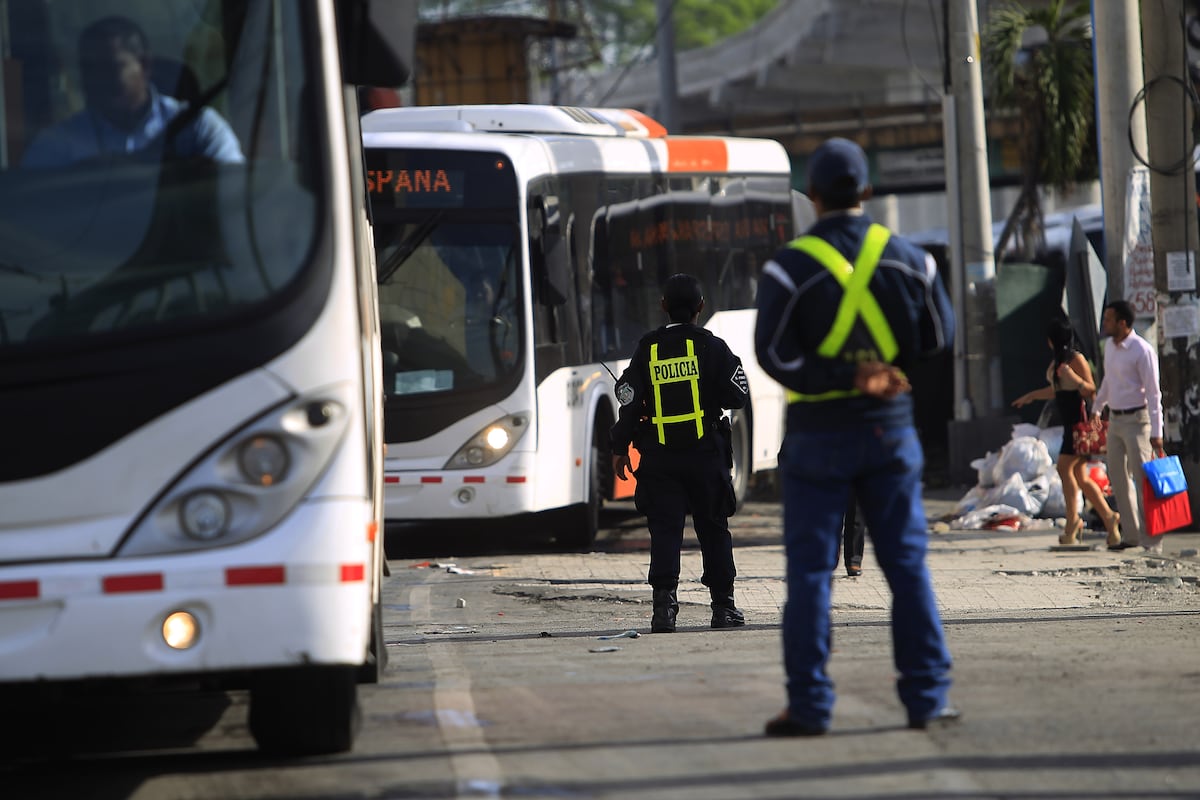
column 1070, row 383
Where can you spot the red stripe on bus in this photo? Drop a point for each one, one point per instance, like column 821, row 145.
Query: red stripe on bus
column 697, row 155
column 473, row 479
column 246, row 576
column 431, row 479
column 148, row 582
column 515, row 479
column 19, row 590
column 352, row 572
column 391, row 478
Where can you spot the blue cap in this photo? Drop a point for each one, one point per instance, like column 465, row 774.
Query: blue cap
column 837, row 170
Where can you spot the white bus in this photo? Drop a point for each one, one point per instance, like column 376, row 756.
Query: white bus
column 191, row 481
column 521, row 251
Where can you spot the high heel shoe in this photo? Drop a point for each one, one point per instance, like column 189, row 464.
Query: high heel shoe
column 1113, row 526
column 1071, row 531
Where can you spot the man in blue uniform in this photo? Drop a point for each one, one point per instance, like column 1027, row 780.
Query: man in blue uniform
column 672, row 395
column 124, row 112
column 842, row 311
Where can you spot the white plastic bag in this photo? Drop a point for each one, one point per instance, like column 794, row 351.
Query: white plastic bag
column 981, row 517
column 1022, row 429
column 1025, row 456
column 1052, row 437
column 970, row 501
column 1013, row 493
column 985, row 467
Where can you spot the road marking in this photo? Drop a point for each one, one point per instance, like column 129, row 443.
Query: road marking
column 476, row 771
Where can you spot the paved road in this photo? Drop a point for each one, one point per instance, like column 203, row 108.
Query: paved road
column 1079, row 673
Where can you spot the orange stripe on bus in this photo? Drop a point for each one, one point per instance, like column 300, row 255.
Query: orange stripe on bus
column 697, row 155
column 654, row 128
column 372, row 530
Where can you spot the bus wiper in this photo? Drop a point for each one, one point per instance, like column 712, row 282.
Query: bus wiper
column 407, row 246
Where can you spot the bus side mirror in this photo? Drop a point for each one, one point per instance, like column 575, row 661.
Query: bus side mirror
column 378, row 40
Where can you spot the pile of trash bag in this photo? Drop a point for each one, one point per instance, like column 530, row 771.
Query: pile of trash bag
column 1019, row 487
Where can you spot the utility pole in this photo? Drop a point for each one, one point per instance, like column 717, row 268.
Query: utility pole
column 968, row 195
column 668, row 85
column 1118, row 65
column 1170, row 114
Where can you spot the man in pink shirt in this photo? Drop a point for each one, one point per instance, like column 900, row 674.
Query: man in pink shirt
column 1135, row 418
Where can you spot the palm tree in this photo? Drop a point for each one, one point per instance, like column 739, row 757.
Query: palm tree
column 1038, row 62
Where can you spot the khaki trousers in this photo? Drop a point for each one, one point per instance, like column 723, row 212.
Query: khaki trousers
column 1128, row 449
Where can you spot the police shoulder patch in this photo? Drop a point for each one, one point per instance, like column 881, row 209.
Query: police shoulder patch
column 739, row 380
column 624, row 393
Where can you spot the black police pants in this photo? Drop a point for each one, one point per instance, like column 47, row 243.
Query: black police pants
column 670, row 484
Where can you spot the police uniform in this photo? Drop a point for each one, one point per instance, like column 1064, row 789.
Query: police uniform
column 849, row 292
column 671, row 398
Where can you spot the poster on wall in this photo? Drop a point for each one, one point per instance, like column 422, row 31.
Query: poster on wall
column 1139, row 246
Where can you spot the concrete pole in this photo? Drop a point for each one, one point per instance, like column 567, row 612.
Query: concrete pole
column 668, row 85
column 1169, row 119
column 1117, row 54
column 976, row 271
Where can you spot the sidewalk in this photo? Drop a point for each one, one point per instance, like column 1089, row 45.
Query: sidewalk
column 974, row 572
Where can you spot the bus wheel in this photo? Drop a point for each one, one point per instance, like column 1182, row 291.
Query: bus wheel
column 305, row 711
column 741, row 456
column 583, row 523
column 372, row 670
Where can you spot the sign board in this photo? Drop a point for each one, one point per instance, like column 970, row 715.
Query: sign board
column 1139, row 245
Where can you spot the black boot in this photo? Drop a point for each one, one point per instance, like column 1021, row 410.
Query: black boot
column 725, row 614
column 666, row 607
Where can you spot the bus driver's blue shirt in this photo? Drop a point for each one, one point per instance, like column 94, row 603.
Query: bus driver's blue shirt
column 87, row 135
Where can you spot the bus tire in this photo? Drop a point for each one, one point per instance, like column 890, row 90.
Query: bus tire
column 372, row 670
column 742, row 461
column 305, row 711
column 583, row 523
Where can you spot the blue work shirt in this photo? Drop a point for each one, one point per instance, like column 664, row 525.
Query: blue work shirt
column 798, row 300
column 86, row 135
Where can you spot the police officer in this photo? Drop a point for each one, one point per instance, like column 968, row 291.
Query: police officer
column 842, row 311
column 672, row 395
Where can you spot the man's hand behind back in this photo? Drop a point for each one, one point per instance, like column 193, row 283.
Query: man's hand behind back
column 881, row 380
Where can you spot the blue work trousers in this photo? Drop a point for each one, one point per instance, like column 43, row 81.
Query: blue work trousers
column 884, row 466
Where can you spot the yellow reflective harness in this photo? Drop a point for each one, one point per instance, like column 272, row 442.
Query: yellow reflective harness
column 675, row 370
column 857, row 301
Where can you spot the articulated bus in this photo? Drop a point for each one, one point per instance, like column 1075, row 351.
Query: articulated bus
column 190, row 370
column 521, row 250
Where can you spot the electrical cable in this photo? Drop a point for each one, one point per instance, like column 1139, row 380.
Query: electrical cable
column 1192, row 99
column 653, row 34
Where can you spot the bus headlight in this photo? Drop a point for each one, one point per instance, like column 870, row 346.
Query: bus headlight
column 263, row 460
column 490, row 444
column 204, row 515
column 249, row 480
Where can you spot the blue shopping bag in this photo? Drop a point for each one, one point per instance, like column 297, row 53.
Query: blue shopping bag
column 1165, row 476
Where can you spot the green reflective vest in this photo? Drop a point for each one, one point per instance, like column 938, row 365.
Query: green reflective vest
column 857, row 302
column 676, row 383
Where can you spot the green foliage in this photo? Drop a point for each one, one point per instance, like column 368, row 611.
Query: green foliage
column 1051, row 85
column 698, row 23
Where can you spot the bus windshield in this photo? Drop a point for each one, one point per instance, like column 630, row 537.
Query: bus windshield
column 450, row 304
column 156, row 167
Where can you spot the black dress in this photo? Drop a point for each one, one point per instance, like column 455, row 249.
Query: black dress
column 1068, row 403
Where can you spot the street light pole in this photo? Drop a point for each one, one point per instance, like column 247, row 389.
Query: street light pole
column 968, row 194
column 1170, row 114
column 668, row 85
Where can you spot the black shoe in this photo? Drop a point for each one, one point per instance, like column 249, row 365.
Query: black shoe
column 725, row 613
column 727, row 618
column 783, row 725
column 853, row 571
column 1121, row 546
column 666, row 608
column 944, row 716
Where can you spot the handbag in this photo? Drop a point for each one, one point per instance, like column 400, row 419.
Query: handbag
column 1165, row 513
column 1089, row 435
column 1165, row 475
